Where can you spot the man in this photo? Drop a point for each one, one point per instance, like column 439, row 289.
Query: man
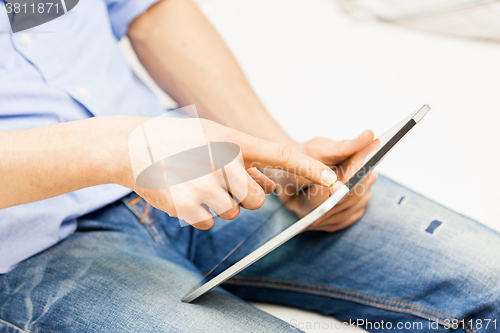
column 81, row 253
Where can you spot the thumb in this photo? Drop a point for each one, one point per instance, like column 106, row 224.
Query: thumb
column 348, row 148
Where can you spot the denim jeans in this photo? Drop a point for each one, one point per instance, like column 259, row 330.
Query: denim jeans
column 409, row 265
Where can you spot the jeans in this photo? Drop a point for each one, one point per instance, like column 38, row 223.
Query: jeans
column 409, row 265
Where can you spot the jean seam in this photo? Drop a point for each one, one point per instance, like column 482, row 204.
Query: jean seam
column 144, row 219
column 12, row 325
column 348, row 295
column 318, row 286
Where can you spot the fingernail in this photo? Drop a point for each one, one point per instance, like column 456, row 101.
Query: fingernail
column 329, row 177
column 337, row 185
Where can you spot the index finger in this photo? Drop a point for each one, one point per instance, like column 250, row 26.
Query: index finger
column 266, row 154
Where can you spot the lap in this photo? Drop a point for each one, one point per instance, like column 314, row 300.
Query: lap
column 407, row 260
column 115, row 280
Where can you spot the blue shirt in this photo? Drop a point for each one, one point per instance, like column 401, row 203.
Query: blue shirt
column 67, row 69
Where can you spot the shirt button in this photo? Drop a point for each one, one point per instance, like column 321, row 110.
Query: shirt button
column 83, row 91
column 26, row 39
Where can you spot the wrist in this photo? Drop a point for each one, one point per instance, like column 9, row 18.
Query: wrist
column 110, row 149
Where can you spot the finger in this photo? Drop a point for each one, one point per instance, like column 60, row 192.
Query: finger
column 200, row 218
column 349, row 201
column 344, row 214
column 347, row 223
column 355, row 195
column 352, row 218
column 336, row 151
column 243, row 188
column 261, row 153
column 223, row 204
column 351, row 166
column 230, row 214
column 267, row 184
column 305, row 200
column 339, row 218
column 255, row 197
column 204, row 225
column 347, row 148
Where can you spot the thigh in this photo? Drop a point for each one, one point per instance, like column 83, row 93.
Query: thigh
column 118, row 279
column 408, row 260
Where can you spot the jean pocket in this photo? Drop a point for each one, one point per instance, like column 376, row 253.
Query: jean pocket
column 141, row 210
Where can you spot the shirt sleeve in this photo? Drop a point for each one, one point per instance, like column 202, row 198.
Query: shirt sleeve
column 123, row 12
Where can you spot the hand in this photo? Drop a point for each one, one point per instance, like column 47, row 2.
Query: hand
column 301, row 196
column 247, row 184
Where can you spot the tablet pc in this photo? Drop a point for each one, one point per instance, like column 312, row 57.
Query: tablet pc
column 267, row 242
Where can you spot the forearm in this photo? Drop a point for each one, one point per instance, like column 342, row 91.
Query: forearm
column 44, row 162
column 189, row 60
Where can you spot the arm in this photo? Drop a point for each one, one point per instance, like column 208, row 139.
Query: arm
column 188, row 59
column 44, row 162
